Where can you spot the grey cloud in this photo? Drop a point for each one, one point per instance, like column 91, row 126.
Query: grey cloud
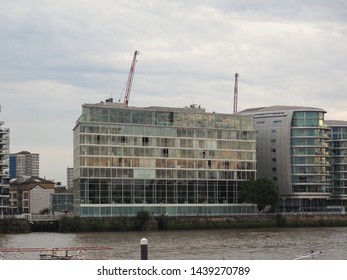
column 63, row 53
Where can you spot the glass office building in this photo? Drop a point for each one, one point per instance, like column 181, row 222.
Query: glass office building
column 62, row 202
column 168, row 161
column 293, row 152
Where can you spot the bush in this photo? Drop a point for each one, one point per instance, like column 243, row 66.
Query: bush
column 44, row 211
column 70, row 224
column 280, row 220
column 141, row 218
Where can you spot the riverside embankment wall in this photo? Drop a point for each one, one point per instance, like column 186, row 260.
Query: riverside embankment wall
column 255, row 221
column 98, row 224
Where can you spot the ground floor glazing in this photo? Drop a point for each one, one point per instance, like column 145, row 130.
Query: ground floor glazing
column 102, row 210
column 133, row 191
column 117, row 197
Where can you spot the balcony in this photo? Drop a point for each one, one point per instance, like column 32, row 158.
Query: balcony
column 4, row 130
column 4, row 152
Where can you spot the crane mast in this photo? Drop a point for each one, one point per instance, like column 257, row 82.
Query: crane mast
column 236, row 89
column 130, row 80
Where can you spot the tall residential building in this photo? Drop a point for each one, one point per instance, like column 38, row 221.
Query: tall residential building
column 292, row 150
column 171, row 161
column 24, row 164
column 338, row 159
column 4, row 169
column 69, row 178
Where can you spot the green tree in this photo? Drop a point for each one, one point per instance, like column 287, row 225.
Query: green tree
column 262, row 192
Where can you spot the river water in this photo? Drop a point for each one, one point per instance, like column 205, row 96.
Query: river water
column 231, row 244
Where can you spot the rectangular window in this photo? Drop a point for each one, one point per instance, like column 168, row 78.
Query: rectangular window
column 165, row 152
column 145, row 141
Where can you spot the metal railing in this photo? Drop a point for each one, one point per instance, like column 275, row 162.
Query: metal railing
column 43, row 218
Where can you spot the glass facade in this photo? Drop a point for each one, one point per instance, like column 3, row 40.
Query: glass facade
column 293, row 152
column 338, row 153
column 62, row 202
column 164, row 160
column 309, row 152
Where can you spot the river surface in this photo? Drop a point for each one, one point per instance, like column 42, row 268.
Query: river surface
column 231, row 244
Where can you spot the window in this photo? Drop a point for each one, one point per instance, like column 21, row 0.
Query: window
column 165, row 152
column 145, row 141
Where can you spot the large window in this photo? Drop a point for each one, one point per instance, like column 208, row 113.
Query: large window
column 308, row 119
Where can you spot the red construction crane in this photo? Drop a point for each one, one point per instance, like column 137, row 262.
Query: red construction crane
column 130, row 80
column 236, row 89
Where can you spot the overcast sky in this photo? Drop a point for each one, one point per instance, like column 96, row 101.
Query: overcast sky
column 57, row 55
